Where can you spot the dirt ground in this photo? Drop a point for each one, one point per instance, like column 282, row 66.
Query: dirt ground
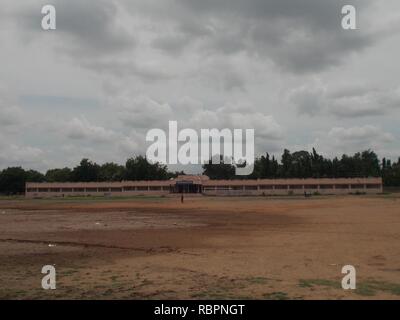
column 205, row 248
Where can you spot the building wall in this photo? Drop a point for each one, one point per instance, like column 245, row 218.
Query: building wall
column 209, row 187
column 293, row 186
column 125, row 188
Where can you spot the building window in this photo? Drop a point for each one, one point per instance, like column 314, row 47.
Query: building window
column 250, row 188
column 281, row 187
column 104, row 189
column 155, row 188
column 116, row 189
column 32, row 190
column 208, row 188
column 142, row 188
column 326, row 186
column 55, row 189
column 373, row 186
column 266, row 187
column 342, row 186
column 357, row 186
column 66, row 190
column 311, row 186
column 129, row 188
column 91, row 189
column 221, row 188
column 79, row 190
column 295, row 187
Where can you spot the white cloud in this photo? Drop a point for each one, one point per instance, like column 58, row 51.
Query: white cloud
column 365, row 134
column 81, row 128
column 10, row 116
column 142, row 112
column 350, row 102
column 339, row 140
column 12, row 155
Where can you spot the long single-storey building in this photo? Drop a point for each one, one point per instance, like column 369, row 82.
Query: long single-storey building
column 203, row 185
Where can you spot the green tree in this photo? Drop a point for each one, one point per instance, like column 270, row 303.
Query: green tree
column 34, row 176
column 224, row 171
column 111, row 172
column 86, row 171
column 59, row 175
column 12, row 180
column 286, row 168
column 139, row 168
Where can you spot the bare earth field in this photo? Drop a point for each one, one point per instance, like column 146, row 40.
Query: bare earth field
column 206, row 248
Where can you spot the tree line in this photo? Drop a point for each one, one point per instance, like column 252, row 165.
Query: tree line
column 303, row 164
column 13, row 179
column 299, row 164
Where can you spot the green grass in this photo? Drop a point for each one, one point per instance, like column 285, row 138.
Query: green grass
column 218, row 295
column 257, row 280
column 68, row 272
column 367, row 288
column 310, row 283
column 12, row 197
column 276, row 296
column 370, row 288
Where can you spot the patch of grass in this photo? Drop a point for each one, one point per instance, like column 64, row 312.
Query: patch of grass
column 276, row 296
column 68, row 272
column 107, row 292
column 367, row 288
column 114, row 278
column 257, row 280
column 364, row 289
column 309, row 283
column 218, row 295
column 145, row 282
column 210, row 295
column 370, row 287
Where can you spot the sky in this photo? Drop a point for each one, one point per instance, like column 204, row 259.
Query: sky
column 114, row 69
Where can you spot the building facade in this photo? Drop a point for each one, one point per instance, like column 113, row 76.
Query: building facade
column 203, row 185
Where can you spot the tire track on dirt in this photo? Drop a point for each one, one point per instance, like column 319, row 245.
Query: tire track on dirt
column 89, row 245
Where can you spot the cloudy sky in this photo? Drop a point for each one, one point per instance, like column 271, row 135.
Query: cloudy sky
column 114, row 69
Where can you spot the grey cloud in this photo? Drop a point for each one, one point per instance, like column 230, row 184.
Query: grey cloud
column 298, row 36
column 93, row 25
column 173, row 43
column 224, row 74
column 340, row 140
column 81, row 128
column 89, row 27
column 365, row 133
column 309, row 100
column 10, row 116
column 143, row 112
column 121, row 68
column 352, row 102
column 208, row 64
column 12, row 154
column 318, row 12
